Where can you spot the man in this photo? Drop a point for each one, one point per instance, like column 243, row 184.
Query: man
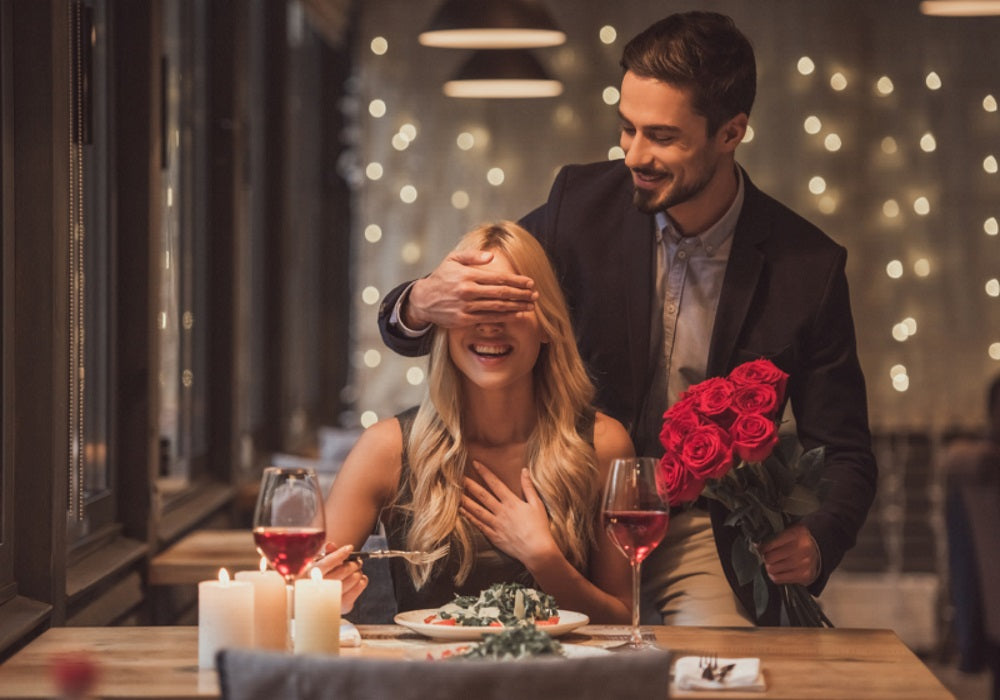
column 677, row 268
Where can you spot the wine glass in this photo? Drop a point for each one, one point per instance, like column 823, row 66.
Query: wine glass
column 635, row 518
column 288, row 523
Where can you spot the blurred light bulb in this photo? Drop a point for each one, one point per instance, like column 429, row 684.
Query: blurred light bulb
column 414, row 375
column 805, row 65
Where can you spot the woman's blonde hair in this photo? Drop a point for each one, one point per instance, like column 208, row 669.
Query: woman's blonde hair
column 562, row 464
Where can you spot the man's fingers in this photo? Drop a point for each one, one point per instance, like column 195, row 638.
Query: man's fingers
column 472, row 257
column 495, row 289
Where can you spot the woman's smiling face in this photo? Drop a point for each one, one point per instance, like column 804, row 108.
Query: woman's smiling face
column 497, row 355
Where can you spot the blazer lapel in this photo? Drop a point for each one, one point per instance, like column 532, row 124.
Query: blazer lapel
column 744, row 268
column 638, row 242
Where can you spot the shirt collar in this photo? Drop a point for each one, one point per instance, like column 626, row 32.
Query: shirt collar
column 718, row 235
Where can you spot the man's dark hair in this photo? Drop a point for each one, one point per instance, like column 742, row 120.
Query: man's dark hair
column 703, row 53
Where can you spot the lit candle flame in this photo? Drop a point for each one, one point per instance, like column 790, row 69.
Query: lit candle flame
column 315, row 574
column 223, row 576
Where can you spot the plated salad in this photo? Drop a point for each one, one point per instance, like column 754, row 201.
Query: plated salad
column 522, row 641
column 500, row 605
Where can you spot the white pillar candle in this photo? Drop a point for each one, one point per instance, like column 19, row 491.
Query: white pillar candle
column 317, row 615
column 225, row 617
column 270, row 607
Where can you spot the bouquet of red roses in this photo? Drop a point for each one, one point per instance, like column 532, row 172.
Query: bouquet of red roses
column 721, row 441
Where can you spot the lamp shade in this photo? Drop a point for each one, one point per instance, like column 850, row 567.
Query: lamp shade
column 502, row 73
column 491, row 24
column 960, row 8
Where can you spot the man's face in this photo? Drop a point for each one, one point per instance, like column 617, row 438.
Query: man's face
column 666, row 144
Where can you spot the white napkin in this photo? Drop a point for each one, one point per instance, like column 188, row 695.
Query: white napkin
column 745, row 675
column 349, row 635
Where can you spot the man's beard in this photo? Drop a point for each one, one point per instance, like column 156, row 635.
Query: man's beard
column 647, row 201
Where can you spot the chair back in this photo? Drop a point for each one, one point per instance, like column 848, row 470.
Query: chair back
column 982, row 506
column 260, row 675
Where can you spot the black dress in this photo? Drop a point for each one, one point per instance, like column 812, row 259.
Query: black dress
column 491, row 565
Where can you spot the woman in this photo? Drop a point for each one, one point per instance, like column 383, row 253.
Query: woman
column 503, row 461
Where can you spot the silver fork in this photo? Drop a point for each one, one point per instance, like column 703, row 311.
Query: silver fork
column 412, row 557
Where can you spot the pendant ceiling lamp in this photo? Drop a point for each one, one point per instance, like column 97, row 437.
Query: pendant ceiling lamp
column 960, row 8
column 491, row 24
column 502, row 73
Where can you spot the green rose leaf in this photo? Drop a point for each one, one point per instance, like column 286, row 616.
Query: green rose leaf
column 801, row 501
column 746, row 565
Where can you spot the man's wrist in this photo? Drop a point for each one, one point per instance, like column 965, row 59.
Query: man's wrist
column 396, row 318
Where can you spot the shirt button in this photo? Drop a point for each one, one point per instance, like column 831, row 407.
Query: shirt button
column 671, row 308
column 682, row 254
column 709, row 249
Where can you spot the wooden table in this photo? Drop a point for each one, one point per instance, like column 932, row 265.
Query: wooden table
column 200, row 555
column 162, row 662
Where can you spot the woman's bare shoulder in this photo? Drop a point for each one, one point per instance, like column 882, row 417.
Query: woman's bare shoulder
column 611, row 439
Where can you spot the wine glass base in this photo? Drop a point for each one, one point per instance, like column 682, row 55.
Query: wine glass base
column 632, row 645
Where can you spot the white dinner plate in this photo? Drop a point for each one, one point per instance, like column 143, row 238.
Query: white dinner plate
column 446, row 651
column 414, row 619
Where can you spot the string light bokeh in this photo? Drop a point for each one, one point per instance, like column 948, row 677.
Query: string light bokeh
column 875, row 122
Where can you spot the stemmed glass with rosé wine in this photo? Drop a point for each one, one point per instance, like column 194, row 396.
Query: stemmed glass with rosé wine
column 636, row 519
column 288, row 524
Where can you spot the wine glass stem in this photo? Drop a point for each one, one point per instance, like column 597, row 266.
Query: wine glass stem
column 636, row 633
column 290, row 616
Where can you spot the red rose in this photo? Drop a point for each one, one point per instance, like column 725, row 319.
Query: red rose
column 707, row 452
column 754, row 436
column 678, row 421
column 676, row 483
column 714, row 398
column 761, row 399
column 760, row 372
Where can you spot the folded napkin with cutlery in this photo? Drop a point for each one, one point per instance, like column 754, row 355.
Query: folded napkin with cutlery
column 741, row 674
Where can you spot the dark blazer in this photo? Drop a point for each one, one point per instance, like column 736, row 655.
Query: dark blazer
column 784, row 297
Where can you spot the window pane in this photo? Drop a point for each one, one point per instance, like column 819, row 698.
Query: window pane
column 182, row 254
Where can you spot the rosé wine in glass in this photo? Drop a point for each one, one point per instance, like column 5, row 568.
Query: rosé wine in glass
column 289, row 549
column 636, row 532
